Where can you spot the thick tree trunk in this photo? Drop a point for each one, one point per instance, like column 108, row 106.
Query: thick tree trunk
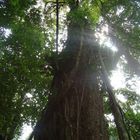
column 75, row 110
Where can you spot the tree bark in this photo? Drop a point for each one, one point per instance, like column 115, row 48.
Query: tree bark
column 75, row 110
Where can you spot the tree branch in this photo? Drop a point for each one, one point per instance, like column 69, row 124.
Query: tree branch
column 122, row 132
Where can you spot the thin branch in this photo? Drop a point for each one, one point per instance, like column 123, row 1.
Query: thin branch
column 122, row 132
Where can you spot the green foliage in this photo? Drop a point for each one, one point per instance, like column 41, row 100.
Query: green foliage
column 131, row 108
column 123, row 19
column 21, row 72
column 133, row 123
column 12, row 11
column 23, row 81
column 86, row 13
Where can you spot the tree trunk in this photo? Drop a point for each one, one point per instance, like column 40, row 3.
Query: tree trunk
column 75, row 110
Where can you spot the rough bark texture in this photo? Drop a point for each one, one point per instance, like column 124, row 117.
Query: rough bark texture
column 75, row 112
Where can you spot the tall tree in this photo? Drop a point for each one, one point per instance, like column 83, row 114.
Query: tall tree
column 75, row 109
